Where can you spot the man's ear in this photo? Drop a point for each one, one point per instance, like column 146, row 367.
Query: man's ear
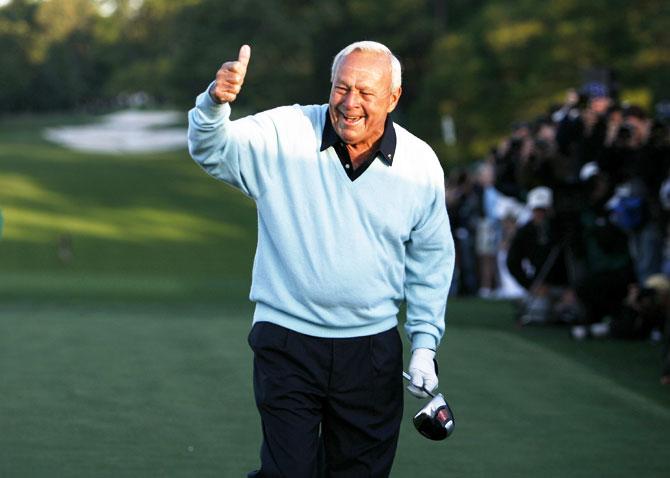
column 395, row 96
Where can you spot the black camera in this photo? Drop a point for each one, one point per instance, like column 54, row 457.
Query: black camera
column 542, row 147
column 515, row 144
column 646, row 294
column 625, row 133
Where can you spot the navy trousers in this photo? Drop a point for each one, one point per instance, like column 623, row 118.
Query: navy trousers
column 328, row 407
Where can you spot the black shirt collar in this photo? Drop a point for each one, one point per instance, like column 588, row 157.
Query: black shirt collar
column 386, row 145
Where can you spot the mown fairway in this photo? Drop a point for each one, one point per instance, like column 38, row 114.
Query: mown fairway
column 131, row 359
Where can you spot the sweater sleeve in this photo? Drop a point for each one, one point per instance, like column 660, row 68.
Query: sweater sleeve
column 429, row 265
column 241, row 153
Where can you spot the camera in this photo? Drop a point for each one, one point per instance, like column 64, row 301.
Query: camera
column 645, row 295
column 625, row 133
column 515, row 144
column 542, row 147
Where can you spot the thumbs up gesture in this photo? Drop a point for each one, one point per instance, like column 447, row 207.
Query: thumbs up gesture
column 230, row 77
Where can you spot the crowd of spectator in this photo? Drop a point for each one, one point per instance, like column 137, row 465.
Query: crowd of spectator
column 570, row 216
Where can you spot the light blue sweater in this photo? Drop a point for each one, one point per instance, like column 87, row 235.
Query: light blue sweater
column 335, row 258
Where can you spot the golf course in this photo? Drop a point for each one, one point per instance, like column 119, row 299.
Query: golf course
column 123, row 340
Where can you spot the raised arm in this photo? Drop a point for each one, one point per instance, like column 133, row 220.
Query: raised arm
column 240, row 152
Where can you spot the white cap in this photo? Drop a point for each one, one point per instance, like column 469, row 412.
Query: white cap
column 659, row 282
column 589, row 170
column 540, row 197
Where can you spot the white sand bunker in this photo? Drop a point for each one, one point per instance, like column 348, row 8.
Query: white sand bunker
column 124, row 132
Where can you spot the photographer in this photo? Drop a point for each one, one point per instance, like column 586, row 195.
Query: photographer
column 539, row 166
column 582, row 131
column 464, row 204
column 643, row 311
column 604, row 255
column 635, row 160
column 538, row 260
column 509, row 156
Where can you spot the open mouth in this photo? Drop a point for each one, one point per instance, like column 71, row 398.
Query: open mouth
column 350, row 120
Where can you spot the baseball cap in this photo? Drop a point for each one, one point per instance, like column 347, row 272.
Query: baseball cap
column 540, row 197
column 589, row 170
column 659, row 282
column 595, row 89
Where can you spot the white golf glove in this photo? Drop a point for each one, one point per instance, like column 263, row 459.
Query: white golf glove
column 422, row 371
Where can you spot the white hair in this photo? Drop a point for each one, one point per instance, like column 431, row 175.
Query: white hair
column 373, row 47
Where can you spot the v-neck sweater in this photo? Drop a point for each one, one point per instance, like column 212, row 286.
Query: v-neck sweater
column 335, row 258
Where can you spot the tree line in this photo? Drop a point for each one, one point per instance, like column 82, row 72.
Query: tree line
column 485, row 64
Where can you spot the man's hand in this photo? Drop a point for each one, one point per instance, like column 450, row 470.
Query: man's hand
column 422, row 371
column 230, row 77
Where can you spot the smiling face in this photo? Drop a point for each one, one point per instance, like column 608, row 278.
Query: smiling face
column 361, row 98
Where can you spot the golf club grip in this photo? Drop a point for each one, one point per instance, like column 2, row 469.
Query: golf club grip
column 408, row 377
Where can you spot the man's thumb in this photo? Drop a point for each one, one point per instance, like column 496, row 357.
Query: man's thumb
column 244, row 55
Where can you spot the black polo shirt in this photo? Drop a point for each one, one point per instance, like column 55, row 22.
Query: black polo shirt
column 386, row 147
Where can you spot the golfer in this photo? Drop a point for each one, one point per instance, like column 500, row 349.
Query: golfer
column 351, row 223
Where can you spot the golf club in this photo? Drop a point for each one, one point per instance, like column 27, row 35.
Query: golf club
column 435, row 420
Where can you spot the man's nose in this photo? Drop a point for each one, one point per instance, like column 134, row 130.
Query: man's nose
column 351, row 99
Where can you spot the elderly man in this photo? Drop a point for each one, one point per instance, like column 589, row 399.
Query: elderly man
column 351, row 222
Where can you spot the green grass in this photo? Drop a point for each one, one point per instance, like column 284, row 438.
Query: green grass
column 130, row 214
column 131, row 360
column 118, row 389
